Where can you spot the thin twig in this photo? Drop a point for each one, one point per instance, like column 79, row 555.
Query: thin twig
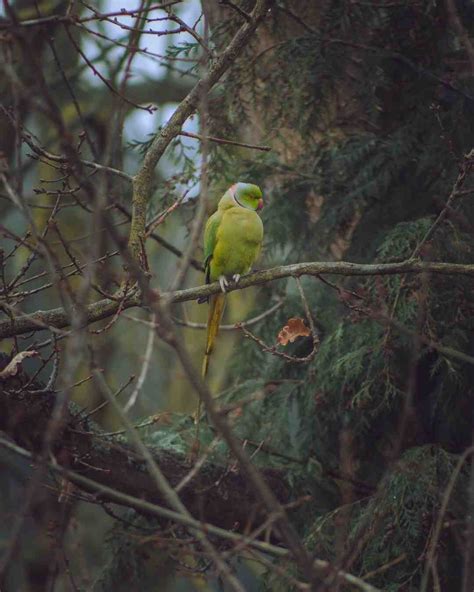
column 197, row 465
column 89, row 414
column 466, row 168
column 237, row 9
column 162, row 483
column 145, row 366
column 384, row 567
column 71, row 19
column 223, row 141
column 63, row 159
column 234, row 327
column 442, row 511
column 160, row 240
column 109, row 85
column 160, row 218
column 273, row 349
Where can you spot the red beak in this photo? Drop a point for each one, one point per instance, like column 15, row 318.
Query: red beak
column 260, row 204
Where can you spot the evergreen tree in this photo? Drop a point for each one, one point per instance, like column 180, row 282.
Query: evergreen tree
column 370, row 109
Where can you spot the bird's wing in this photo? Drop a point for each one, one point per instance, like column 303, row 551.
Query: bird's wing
column 210, row 240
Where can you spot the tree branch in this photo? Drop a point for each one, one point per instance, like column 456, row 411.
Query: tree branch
column 216, row 494
column 107, row 493
column 222, row 498
column 224, row 141
column 58, row 318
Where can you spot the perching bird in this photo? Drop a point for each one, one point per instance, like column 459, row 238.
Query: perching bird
column 232, row 241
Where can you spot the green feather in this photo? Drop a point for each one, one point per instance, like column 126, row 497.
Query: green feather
column 233, row 235
column 232, row 241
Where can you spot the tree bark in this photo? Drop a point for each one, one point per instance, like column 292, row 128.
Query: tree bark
column 218, row 494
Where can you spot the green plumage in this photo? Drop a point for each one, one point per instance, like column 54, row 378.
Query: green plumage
column 232, row 241
column 234, row 233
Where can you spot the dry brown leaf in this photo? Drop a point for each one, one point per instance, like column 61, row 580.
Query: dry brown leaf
column 13, row 366
column 163, row 418
column 294, row 329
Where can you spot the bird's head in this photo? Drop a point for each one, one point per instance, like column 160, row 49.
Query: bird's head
column 247, row 195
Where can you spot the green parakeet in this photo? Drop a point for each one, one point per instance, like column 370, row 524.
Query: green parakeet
column 232, row 241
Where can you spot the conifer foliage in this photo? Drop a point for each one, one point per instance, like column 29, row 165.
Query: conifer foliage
column 370, row 108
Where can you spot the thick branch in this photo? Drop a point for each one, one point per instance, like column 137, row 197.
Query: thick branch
column 143, row 179
column 215, row 494
column 58, row 318
column 143, row 506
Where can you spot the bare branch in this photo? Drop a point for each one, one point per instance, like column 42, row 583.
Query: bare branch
column 63, row 159
column 58, row 318
column 234, row 327
column 237, row 9
column 60, row 18
column 223, row 141
column 465, row 170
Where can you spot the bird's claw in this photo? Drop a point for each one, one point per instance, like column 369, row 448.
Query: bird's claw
column 223, row 283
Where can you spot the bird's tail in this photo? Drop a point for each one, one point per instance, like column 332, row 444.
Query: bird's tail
column 216, row 310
